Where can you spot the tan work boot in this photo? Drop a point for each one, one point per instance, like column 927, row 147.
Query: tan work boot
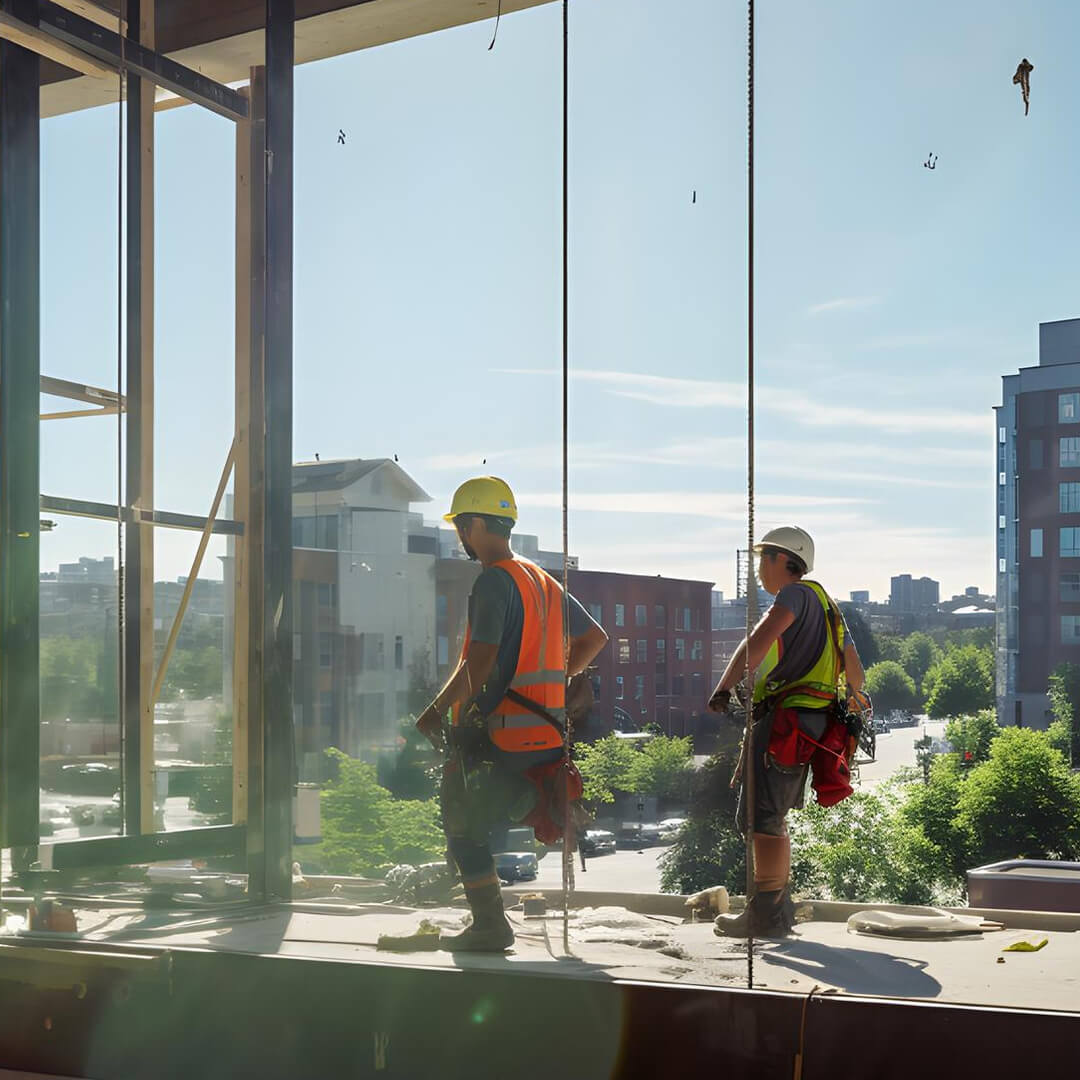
column 767, row 915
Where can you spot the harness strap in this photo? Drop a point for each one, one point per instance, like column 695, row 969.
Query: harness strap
column 537, row 709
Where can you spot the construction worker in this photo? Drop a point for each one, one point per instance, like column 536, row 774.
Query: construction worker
column 507, row 696
column 801, row 652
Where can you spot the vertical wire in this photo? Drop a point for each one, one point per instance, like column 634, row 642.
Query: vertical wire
column 121, row 636
column 749, row 793
column 567, row 854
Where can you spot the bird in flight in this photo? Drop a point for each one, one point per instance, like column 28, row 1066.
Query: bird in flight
column 341, row 136
column 693, row 197
column 931, row 161
column 1022, row 78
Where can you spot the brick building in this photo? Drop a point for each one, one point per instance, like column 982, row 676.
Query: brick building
column 657, row 667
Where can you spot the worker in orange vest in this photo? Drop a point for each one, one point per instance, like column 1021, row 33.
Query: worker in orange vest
column 507, row 699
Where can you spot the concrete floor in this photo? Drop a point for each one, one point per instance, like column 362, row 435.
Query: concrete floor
column 610, row 942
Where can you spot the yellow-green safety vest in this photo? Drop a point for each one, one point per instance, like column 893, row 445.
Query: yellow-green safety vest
column 820, row 686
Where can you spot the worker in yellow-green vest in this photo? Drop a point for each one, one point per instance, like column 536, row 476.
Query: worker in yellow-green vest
column 807, row 703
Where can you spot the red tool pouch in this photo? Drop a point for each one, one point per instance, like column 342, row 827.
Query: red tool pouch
column 556, row 783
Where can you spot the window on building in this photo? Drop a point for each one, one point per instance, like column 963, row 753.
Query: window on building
column 642, row 650
column 680, row 648
column 1001, row 479
column 327, row 594
column 597, row 612
column 697, row 685
column 677, row 683
column 1069, row 498
column 639, row 687
column 1036, row 543
column 661, row 653
column 661, row 684
column 624, row 650
column 399, row 653
column 1001, row 521
column 597, row 685
column 620, row 615
column 1001, row 434
column 1070, row 629
column 1069, row 453
column 619, row 687
column 1069, row 586
column 684, row 621
column 326, row 649
column 696, row 652
column 1069, row 543
column 1035, row 453
column 641, row 615
column 326, row 707
column 1001, row 566
column 660, row 616
column 1068, row 408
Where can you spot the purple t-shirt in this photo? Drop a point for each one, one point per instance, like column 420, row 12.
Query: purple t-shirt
column 803, row 642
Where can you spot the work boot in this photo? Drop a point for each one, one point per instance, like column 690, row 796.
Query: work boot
column 767, row 915
column 494, row 936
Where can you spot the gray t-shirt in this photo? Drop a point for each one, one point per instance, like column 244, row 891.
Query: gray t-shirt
column 803, row 642
column 497, row 617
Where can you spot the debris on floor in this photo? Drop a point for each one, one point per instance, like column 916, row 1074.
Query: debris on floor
column 918, row 923
column 1027, row 943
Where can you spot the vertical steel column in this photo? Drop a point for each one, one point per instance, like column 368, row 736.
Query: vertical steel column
column 138, row 718
column 279, row 767
column 20, row 382
column 251, row 484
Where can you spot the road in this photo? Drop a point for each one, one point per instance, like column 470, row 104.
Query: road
column 895, row 750
column 625, row 871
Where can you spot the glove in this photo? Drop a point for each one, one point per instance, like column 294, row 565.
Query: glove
column 720, row 702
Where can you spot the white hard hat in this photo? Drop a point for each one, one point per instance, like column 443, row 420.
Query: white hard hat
column 793, row 540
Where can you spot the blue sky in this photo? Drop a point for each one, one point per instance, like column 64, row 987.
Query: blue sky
column 890, row 298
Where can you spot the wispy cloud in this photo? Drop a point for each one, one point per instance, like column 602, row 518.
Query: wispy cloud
column 677, row 392
column 843, row 303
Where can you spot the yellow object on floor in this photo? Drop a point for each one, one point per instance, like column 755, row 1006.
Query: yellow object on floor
column 426, row 939
column 1031, row 943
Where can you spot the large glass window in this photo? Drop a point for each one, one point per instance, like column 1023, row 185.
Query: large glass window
column 620, row 615
column 641, row 615
column 1068, row 408
column 1069, row 539
column 642, row 650
column 1069, row 453
column 1069, row 589
column 1069, row 498
column 623, row 645
column 1036, row 543
column 1070, row 629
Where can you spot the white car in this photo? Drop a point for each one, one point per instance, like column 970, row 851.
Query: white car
column 669, row 828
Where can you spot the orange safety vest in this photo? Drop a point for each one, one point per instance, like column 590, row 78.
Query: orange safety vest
column 541, row 667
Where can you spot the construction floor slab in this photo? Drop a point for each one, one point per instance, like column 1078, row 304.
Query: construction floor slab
column 612, row 943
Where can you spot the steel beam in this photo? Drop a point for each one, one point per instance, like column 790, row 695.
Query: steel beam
column 20, row 387
column 136, row 59
column 211, row 842
column 279, row 760
column 161, row 518
column 251, row 484
column 137, row 713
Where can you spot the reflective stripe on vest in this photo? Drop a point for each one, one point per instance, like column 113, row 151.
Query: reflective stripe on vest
column 540, row 675
column 821, row 684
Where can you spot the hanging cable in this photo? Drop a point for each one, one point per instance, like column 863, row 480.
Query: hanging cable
column 121, row 638
column 568, row 847
column 749, row 763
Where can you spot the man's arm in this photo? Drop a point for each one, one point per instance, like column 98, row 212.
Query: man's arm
column 455, row 690
column 765, row 633
column 853, row 668
column 585, row 648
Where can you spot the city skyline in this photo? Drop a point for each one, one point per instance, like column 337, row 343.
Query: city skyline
column 427, row 280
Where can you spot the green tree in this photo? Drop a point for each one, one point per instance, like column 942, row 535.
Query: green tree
column 889, row 647
column 196, row 671
column 918, row 654
column 861, row 635
column 962, row 682
column 606, row 766
column 973, row 734
column 662, row 767
column 72, row 677
column 931, row 807
column 891, row 686
column 1023, row 802
column 366, row 831
column 708, row 849
column 1064, row 693
column 924, row 756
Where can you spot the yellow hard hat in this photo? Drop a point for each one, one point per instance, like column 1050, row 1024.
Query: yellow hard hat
column 483, row 495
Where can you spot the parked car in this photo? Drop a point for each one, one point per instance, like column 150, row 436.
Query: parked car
column 595, row 842
column 881, row 725
column 635, row 834
column 514, row 866
column 669, row 828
